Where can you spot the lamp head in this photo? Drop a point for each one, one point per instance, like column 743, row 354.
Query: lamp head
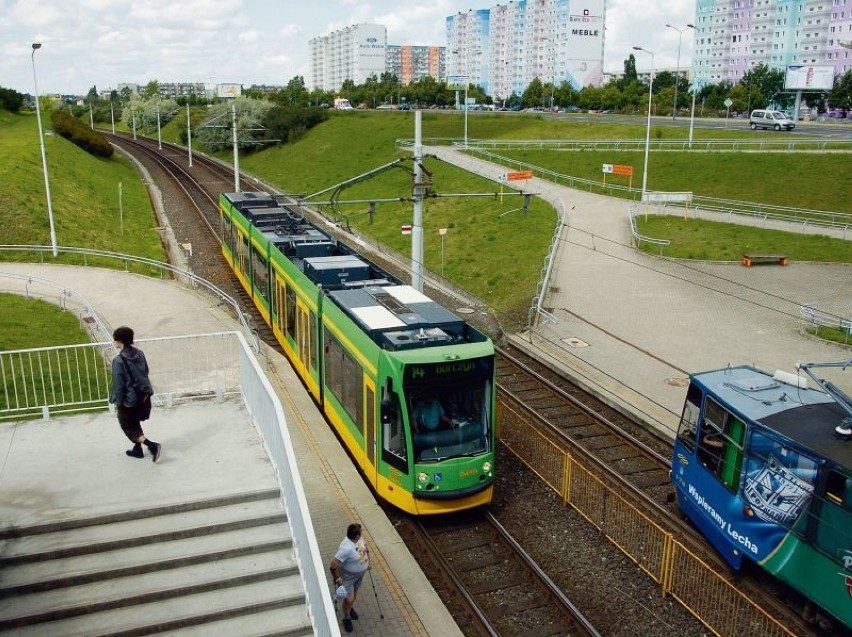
column 692, row 26
column 36, row 45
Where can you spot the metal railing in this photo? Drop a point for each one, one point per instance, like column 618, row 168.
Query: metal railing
column 54, row 380
column 640, row 238
column 190, row 278
column 816, row 319
column 803, row 217
column 680, row 573
column 767, row 144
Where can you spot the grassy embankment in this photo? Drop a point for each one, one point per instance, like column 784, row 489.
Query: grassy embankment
column 29, row 322
column 84, row 194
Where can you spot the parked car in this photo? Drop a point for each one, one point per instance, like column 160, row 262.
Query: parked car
column 766, row 119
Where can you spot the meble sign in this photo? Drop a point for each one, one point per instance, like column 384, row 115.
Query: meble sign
column 591, row 32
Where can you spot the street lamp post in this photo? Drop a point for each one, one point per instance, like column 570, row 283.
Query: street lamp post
column 677, row 68
column 648, row 127
column 466, row 88
column 37, row 46
column 694, row 91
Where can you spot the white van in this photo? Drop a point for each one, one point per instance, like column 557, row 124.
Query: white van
column 775, row 120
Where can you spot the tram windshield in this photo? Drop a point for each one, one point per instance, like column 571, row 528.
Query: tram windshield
column 449, row 408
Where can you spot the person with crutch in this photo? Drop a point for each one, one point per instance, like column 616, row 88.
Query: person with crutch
column 348, row 566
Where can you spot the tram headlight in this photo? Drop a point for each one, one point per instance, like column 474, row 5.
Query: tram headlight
column 422, row 476
column 486, row 467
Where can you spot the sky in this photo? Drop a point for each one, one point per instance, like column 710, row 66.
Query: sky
column 102, row 43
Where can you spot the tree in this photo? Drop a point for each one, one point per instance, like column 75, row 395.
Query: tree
column 841, row 95
column 11, row 100
column 769, row 83
column 630, row 74
column 533, row 94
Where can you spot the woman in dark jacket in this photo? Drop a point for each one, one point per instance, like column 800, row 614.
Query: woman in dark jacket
column 130, row 385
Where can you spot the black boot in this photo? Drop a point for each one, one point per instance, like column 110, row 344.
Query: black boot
column 136, row 452
column 154, row 448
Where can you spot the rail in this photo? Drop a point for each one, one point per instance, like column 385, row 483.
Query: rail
column 768, row 144
column 816, row 319
column 637, row 236
column 841, row 222
column 164, row 268
column 679, row 571
column 71, row 378
column 66, row 298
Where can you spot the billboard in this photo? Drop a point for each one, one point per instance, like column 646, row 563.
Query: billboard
column 802, row 77
column 229, row 90
column 584, row 44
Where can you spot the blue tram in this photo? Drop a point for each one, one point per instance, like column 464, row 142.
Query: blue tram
column 372, row 351
column 762, row 465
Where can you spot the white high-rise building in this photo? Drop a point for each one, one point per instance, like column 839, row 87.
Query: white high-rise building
column 504, row 48
column 355, row 53
column 732, row 36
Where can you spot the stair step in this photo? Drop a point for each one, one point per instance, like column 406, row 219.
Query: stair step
column 24, row 577
column 144, row 588
column 12, row 532
column 172, row 614
column 118, row 535
column 282, row 622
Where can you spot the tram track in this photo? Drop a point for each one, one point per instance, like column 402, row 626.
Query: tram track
column 638, row 458
column 634, row 463
column 505, row 590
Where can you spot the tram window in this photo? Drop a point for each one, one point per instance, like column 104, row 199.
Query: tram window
column 279, row 303
column 345, row 379
column 838, row 489
column 259, row 274
column 243, row 251
column 721, row 444
column 393, row 434
column 834, row 522
column 779, row 480
column 688, row 428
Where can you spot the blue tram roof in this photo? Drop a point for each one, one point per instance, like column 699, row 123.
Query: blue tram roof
column 394, row 315
column 806, row 416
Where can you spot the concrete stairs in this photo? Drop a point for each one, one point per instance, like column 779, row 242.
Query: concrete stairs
column 223, row 566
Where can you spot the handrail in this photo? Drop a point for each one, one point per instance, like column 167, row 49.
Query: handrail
column 631, row 215
column 822, row 218
column 193, row 279
column 768, row 144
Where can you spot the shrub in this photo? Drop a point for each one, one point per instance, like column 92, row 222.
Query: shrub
column 10, row 100
column 78, row 133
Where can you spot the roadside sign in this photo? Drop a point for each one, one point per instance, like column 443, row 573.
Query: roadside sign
column 618, row 169
column 728, row 102
column 405, row 229
column 519, row 175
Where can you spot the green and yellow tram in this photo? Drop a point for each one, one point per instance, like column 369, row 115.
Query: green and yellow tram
column 373, row 352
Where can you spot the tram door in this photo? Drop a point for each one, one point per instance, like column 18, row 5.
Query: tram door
column 370, row 421
column 303, row 327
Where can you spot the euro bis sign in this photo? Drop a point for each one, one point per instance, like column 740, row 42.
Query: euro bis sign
column 519, row 175
column 405, row 229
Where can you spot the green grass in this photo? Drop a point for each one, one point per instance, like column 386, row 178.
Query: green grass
column 715, row 241
column 812, row 181
column 832, row 334
column 84, row 194
column 29, row 322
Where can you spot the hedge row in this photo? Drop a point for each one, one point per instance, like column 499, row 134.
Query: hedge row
column 78, row 133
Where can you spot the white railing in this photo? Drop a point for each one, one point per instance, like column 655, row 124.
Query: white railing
column 841, row 222
column 268, row 417
column 72, row 378
column 816, row 319
column 53, row 380
column 640, row 238
column 164, row 269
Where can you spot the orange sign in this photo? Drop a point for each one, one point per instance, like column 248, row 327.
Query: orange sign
column 618, row 169
column 519, row 175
